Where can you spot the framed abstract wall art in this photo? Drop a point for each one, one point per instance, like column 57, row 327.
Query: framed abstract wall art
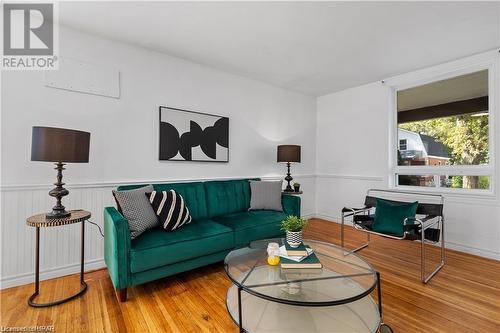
column 193, row 136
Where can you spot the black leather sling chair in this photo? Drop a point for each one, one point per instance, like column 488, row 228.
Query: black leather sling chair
column 422, row 229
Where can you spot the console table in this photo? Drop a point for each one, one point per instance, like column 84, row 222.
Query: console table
column 40, row 221
column 292, row 193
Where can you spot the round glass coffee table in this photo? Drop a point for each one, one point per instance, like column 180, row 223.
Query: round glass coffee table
column 336, row 298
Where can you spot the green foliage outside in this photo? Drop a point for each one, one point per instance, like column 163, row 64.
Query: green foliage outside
column 293, row 223
column 458, row 182
column 466, row 137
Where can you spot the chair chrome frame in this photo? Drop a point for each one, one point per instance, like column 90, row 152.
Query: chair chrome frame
column 424, row 224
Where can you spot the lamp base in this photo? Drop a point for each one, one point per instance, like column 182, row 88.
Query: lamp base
column 58, row 192
column 57, row 214
column 288, row 179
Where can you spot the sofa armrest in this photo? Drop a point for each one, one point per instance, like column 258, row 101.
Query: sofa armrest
column 291, row 204
column 116, row 247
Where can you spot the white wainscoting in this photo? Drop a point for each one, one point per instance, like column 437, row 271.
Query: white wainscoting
column 60, row 246
column 471, row 223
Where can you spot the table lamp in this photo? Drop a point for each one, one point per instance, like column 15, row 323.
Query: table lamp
column 288, row 154
column 59, row 145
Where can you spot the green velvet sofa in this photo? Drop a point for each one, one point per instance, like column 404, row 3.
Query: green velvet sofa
column 221, row 223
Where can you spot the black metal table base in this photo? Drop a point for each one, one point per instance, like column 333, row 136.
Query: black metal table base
column 83, row 284
column 31, row 300
column 240, row 316
column 383, row 327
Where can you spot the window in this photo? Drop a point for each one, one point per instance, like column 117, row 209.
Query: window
column 445, row 181
column 444, row 133
column 402, row 144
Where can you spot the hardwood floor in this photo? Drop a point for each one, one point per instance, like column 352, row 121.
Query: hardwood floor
column 463, row 297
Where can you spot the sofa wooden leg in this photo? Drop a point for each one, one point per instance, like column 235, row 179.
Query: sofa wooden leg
column 122, row 294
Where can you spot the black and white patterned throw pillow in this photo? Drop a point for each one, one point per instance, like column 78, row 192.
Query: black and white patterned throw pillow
column 136, row 209
column 170, row 208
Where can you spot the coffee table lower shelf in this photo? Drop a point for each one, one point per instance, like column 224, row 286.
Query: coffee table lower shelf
column 261, row 315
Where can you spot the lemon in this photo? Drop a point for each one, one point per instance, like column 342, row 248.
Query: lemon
column 273, row 260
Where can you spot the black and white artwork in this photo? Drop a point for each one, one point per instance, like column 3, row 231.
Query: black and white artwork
column 193, row 136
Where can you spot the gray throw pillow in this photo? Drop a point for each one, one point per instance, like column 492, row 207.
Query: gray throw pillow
column 135, row 207
column 265, row 195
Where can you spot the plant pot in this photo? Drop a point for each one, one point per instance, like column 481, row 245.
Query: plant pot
column 294, row 238
column 296, row 188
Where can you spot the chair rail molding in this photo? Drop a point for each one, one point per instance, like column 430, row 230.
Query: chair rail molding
column 347, row 176
column 116, row 183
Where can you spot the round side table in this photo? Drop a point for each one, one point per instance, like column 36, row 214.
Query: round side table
column 292, row 193
column 40, row 221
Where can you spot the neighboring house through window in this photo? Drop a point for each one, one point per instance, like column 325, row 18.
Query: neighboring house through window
column 421, row 149
column 402, row 144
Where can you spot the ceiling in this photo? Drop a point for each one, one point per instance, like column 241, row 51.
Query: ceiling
column 459, row 88
column 311, row 47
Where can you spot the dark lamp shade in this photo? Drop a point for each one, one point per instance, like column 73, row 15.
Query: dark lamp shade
column 289, row 153
column 50, row 144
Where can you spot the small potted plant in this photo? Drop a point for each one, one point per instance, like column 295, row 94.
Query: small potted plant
column 293, row 226
column 296, row 187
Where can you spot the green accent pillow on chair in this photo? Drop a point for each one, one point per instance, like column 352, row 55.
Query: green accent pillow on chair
column 389, row 216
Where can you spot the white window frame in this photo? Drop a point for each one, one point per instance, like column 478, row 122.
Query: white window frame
column 489, row 61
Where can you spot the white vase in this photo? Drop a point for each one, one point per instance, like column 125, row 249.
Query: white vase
column 294, row 238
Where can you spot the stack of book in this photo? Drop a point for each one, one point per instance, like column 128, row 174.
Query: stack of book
column 301, row 257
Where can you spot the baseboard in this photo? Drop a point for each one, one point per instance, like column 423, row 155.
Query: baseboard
column 472, row 250
column 331, row 218
column 449, row 245
column 26, row 278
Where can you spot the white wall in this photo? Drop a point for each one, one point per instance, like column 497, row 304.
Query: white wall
column 351, row 147
column 352, row 156
column 124, row 142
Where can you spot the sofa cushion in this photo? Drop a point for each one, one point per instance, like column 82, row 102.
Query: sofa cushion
column 136, row 208
column 156, row 247
column 170, row 208
column 193, row 194
column 266, row 195
column 228, row 196
column 253, row 225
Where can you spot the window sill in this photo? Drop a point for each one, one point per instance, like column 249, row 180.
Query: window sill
column 449, row 192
